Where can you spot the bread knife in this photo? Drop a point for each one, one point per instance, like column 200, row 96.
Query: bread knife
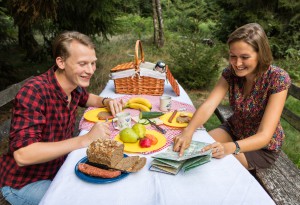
column 157, row 127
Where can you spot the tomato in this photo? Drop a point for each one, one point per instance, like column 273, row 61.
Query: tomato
column 152, row 138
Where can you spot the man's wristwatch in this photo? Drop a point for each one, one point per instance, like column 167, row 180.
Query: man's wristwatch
column 237, row 149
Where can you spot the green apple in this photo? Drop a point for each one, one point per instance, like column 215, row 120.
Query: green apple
column 139, row 129
column 128, row 135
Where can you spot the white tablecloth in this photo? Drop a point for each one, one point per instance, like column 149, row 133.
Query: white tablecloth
column 221, row 181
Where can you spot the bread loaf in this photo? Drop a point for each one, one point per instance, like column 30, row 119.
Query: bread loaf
column 105, row 151
column 110, row 153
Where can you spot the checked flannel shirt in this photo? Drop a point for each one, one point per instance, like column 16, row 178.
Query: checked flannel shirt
column 40, row 114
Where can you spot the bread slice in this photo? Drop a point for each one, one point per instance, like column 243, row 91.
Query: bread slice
column 126, row 163
column 139, row 165
column 105, row 115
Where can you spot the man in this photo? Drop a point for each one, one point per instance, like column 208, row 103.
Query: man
column 43, row 120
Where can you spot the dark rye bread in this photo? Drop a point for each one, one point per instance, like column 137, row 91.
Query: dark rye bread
column 110, row 153
column 105, row 115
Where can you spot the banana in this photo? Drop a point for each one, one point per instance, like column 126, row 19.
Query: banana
column 139, row 106
column 140, row 100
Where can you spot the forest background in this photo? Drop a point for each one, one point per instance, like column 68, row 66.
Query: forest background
column 189, row 35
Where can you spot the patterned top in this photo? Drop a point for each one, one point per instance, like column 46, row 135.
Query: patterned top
column 40, row 114
column 248, row 111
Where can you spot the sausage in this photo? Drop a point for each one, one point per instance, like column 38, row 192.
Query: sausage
column 172, row 116
column 98, row 172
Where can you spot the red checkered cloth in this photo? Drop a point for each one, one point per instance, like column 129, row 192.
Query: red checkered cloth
column 171, row 131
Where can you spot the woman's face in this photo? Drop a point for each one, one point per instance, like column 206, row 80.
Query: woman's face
column 243, row 59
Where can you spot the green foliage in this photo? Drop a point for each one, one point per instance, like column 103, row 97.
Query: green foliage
column 279, row 18
column 291, row 145
column 139, row 7
column 8, row 33
column 292, row 66
column 196, row 65
column 89, row 17
column 134, row 25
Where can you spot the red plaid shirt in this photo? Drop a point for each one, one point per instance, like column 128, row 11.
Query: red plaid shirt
column 40, row 114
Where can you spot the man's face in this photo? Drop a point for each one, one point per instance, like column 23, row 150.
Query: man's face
column 80, row 65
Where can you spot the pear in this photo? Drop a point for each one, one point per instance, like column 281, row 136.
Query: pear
column 128, row 135
column 139, row 129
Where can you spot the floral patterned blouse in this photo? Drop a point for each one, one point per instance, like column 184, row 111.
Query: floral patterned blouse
column 248, row 111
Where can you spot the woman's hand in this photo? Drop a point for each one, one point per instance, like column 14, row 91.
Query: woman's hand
column 218, row 150
column 114, row 106
column 182, row 142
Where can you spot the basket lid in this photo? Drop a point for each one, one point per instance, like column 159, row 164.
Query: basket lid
column 124, row 66
column 172, row 81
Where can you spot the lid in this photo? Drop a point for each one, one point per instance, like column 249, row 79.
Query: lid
column 123, row 66
column 172, row 81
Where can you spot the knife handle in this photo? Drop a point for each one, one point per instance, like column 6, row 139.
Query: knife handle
column 157, row 127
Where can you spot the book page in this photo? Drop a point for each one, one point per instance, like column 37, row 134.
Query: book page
column 193, row 151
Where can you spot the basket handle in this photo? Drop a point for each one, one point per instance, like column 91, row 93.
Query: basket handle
column 138, row 45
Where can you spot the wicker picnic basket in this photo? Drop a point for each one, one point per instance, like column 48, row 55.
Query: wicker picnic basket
column 137, row 84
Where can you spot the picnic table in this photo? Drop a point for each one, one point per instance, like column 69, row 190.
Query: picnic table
column 220, row 181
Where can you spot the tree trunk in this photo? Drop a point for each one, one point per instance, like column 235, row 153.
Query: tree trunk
column 160, row 24
column 155, row 23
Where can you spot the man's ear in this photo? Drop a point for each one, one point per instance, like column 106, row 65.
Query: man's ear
column 60, row 62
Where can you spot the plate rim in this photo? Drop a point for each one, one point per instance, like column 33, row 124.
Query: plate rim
column 97, row 180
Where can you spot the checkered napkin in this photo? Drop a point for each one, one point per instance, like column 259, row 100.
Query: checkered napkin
column 171, row 131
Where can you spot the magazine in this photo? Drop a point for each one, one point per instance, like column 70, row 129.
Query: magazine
column 169, row 161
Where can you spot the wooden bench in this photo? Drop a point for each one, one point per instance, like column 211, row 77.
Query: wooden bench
column 282, row 180
column 6, row 96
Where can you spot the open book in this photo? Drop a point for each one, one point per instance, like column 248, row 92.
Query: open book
column 169, row 161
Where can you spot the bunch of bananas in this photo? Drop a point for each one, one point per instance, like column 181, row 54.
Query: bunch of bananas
column 139, row 103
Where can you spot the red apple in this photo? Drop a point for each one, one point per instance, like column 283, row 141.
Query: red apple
column 145, row 142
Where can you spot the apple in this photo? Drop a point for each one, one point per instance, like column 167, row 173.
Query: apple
column 145, row 142
column 128, row 135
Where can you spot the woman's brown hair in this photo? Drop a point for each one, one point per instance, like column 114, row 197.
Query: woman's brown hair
column 254, row 35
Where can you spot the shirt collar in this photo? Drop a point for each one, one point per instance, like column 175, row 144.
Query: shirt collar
column 56, row 86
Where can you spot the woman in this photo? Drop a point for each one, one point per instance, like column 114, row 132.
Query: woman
column 257, row 93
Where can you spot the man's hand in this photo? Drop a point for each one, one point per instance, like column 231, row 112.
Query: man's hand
column 114, row 106
column 99, row 130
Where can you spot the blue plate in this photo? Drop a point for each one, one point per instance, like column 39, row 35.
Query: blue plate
column 97, row 180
